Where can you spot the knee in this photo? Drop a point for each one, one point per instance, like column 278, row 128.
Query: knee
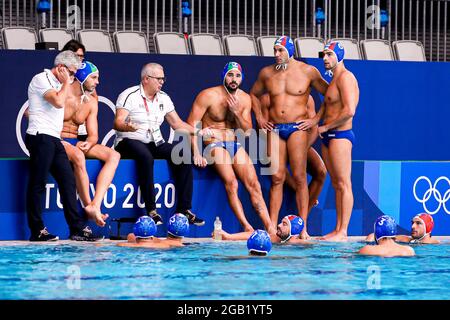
column 231, row 186
column 114, row 157
column 253, row 186
column 300, row 178
column 321, row 174
column 279, row 178
column 342, row 184
column 78, row 160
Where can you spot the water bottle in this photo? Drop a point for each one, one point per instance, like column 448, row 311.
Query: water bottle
column 217, row 229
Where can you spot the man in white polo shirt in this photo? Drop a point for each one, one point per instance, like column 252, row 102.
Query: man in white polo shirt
column 140, row 112
column 47, row 94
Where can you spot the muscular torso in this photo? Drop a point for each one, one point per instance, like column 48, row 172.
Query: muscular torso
column 289, row 92
column 333, row 106
column 220, row 116
column 75, row 114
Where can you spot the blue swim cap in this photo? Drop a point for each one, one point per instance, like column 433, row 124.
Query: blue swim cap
column 178, row 225
column 231, row 66
column 259, row 242
column 287, row 43
column 384, row 227
column 144, row 227
column 337, row 48
column 87, row 68
column 296, row 225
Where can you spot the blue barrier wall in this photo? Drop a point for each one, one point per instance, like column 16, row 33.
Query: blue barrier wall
column 401, row 115
column 400, row 189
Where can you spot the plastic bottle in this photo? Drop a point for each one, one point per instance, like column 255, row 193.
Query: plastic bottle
column 217, row 229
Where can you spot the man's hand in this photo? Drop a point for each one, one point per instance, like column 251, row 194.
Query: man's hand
column 131, row 127
column 306, row 124
column 234, row 104
column 207, row 132
column 321, row 130
column 263, row 123
column 63, row 74
column 85, row 146
column 200, row 161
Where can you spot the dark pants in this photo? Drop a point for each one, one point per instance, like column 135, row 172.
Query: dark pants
column 47, row 154
column 144, row 155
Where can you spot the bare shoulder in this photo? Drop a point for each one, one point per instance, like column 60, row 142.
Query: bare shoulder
column 309, row 69
column 346, row 78
column 266, row 72
column 408, row 251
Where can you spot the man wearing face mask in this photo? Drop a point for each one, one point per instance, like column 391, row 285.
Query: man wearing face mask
column 225, row 108
column 341, row 100
column 288, row 83
column 47, row 94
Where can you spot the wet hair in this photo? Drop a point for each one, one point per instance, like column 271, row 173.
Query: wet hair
column 68, row 58
column 74, row 45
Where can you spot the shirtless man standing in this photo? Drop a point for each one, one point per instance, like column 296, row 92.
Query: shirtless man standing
column 337, row 136
column 226, row 107
column 314, row 163
column 82, row 107
column 288, row 84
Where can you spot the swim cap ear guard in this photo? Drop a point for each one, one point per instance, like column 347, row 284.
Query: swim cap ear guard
column 178, row 225
column 384, row 227
column 338, row 49
column 428, row 221
column 296, row 226
column 144, row 228
column 288, row 45
column 259, row 243
column 87, row 68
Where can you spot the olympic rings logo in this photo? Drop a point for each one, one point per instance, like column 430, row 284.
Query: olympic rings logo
column 432, row 190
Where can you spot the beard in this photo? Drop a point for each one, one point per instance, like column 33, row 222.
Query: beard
column 230, row 89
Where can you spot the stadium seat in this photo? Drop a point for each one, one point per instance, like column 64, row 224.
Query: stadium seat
column 265, row 44
column 308, row 47
column 61, row 36
column 206, row 43
column 240, row 45
column 95, row 40
column 408, row 50
column 131, row 41
column 374, row 49
column 19, row 38
column 351, row 48
column 170, row 43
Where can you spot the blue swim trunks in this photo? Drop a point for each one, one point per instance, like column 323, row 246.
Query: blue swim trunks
column 335, row 134
column 285, row 130
column 231, row 146
column 72, row 141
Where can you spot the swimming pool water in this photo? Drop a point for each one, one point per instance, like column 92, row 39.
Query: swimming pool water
column 220, row 270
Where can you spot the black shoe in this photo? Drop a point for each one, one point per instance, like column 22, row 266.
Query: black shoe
column 85, row 235
column 156, row 217
column 192, row 218
column 44, row 235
